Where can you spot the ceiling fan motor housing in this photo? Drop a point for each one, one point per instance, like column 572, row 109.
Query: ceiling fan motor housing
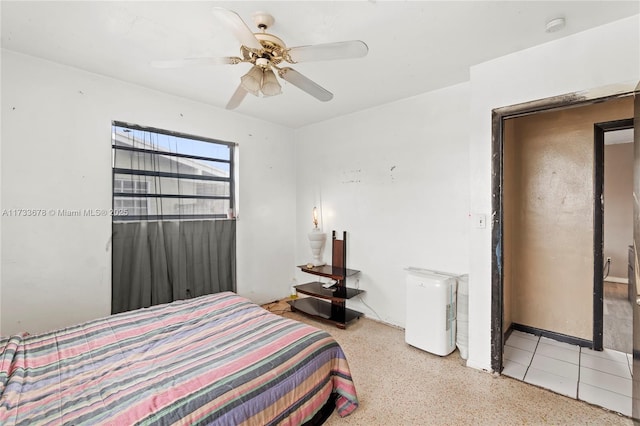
column 273, row 50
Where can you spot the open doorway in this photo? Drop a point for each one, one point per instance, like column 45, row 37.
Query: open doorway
column 546, row 269
column 553, row 221
column 614, row 177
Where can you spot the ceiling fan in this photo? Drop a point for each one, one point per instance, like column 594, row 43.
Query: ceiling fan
column 267, row 53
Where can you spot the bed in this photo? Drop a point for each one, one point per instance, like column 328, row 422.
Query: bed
column 217, row 359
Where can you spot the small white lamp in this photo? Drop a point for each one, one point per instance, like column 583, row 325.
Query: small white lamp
column 317, row 239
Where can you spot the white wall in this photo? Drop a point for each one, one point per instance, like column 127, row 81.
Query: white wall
column 396, row 179
column 618, row 209
column 56, row 154
column 604, row 56
column 401, row 179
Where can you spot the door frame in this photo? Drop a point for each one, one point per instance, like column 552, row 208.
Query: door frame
column 635, row 387
column 599, row 130
column 499, row 115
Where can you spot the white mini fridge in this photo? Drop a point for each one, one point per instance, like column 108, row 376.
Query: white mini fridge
column 431, row 311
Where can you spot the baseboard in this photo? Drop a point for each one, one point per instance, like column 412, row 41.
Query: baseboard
column 553, row 335
column 617, row 280
column 378, row 320
column 479, row 366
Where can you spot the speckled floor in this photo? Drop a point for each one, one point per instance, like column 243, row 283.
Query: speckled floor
column 401, row 385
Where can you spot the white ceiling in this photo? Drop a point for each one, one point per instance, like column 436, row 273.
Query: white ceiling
column 414, row 46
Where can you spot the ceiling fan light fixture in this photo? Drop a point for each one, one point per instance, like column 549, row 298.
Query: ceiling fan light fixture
column 270, row 85
column 252, row 81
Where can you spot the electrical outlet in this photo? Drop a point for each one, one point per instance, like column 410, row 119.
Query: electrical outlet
column 608, row 259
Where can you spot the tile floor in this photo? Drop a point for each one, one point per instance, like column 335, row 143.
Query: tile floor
column 600, row 378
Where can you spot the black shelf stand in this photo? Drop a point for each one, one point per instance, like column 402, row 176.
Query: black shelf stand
column 329, row 304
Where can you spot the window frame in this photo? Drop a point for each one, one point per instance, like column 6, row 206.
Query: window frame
column 160, row 174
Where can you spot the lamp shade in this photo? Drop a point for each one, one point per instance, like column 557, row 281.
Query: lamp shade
column 252, row 81
column 270, row 85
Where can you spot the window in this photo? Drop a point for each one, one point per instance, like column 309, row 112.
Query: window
column 133, row 206
column 158, row 174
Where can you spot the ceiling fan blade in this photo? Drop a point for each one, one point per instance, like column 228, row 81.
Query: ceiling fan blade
column 195, row 62
column 236, row 25
column 329, row 51
column 303, row 83
column 236, row 98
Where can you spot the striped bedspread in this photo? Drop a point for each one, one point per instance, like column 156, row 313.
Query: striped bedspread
column 217, row 359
